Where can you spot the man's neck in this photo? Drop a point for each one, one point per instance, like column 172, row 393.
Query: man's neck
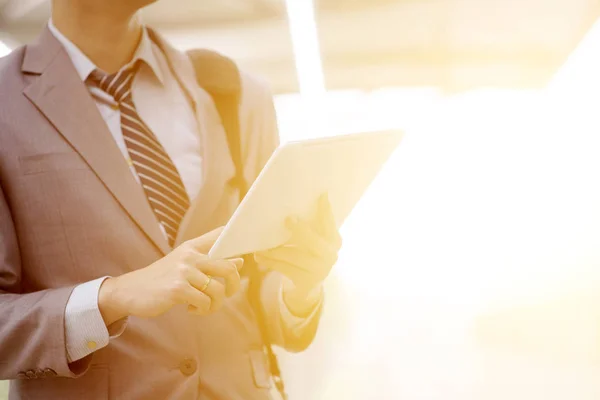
column 109, row 42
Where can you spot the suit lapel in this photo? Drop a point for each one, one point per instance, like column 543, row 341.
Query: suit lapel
column 64, row 100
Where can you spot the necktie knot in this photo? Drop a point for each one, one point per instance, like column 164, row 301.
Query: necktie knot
column 117, row 85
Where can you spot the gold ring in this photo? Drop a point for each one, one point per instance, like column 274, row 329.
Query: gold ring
column 206, row 284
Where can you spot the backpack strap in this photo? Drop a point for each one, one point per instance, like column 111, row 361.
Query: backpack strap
column 220, row 77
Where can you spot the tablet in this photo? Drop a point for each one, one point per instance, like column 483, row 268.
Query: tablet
column 292, row 181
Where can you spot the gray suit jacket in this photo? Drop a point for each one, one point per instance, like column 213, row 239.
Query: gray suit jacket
column 70, row 212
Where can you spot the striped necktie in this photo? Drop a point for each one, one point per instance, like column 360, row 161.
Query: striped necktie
column 157, row 173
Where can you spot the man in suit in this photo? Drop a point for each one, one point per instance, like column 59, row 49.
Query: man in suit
column 113, row 166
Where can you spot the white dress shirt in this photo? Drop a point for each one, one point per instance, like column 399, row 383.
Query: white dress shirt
column 163, row 106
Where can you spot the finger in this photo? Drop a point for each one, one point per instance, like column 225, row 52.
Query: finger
column 226, row 269
column 234, row 281
column 297, row 275
column 216, row 291
column 295, row 256
column 209, row 286
column 204, row 243
column 297, row 261
column 304, row 236
column 198, row 302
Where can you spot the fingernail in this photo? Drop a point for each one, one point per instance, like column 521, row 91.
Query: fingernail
column 239, row 263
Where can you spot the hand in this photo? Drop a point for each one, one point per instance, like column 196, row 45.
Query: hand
column 178, row 278
column 310, row 254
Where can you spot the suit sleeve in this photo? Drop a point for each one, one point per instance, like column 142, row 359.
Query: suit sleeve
column 32, row 334
column 260, row 138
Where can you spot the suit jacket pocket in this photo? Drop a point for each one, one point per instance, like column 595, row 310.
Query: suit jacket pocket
column 93, row 385
column 38, row 163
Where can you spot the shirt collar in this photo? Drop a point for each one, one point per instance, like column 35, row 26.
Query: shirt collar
column 84, row 66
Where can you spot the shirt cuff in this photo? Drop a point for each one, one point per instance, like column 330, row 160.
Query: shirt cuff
column 85, row 330
column 294, row 322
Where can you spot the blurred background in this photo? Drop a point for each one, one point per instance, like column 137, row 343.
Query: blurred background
column 471, row 268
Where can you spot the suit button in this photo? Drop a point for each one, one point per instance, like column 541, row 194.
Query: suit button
column 188, row 367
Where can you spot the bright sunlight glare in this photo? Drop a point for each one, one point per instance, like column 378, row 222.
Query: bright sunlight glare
column 305, row 42
column 490, row 204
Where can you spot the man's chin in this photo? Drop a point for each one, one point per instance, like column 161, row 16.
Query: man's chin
column 128, row 6
column 143, row 3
